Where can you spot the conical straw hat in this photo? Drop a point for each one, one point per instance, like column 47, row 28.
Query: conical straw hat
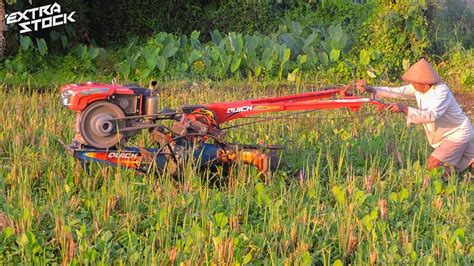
column 421, row 72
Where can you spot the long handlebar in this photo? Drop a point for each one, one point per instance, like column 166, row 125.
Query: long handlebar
column 304, row 101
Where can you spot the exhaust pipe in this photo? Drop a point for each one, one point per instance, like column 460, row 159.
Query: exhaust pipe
column 151, row 101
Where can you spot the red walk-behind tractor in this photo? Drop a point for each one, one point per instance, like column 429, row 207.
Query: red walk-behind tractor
column 108, row 116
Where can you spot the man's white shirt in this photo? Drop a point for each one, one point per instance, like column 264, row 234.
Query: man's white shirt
column 438, row 112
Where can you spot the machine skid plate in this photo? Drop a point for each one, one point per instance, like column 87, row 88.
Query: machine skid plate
column 139, row 159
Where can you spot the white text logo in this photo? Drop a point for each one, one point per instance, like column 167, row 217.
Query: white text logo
column 239, row 109
column 122, row 155
column 38, row 18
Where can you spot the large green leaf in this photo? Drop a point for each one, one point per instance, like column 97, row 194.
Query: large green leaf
column 42, row 47
column 302, row 59
column 221, row 219
column 267, row 58
column 323, row 58
column 195, row 34
column 258, row 71
column 195, row 55
column 81, row 51
column 251, row 44
column 335, row 32
column 94, row 52
column 267, row 54
column 364, row 57
column 25, row 42
column 161, row 36
column 214, row 53
column 293, row 75
column 410, row 24
column 296, row 28
column 236, row 42
column 161, row 63
column 195, row 43
column 310, row 39
column 64, row 41
column 286, row 55
column 309, row 51
column 235, row 64
column 54, row 35
column 269, row 64
column 216, row 37
column 169, row 50
column 123, row 69
column 136, row 56
column 334, row 55
column 419, row 33
column 155, row 52
column 337, row 38
column 145, row 73
column 225, row 63
column 150, row 58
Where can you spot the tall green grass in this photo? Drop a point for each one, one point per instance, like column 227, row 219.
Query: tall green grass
column 367, row 198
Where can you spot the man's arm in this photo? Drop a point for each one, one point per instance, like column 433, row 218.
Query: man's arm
column 405, row 92
column 441, row 102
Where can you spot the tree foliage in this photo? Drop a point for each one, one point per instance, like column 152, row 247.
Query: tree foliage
column 238, row 39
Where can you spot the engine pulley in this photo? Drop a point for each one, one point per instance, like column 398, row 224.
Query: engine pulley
column 99, row 126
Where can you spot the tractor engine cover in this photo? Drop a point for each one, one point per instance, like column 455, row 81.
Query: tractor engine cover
column 102, row 110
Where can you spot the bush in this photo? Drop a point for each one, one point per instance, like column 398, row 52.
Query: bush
column 399, row 31
column 450, row 24
column 244, row 17
column 115, row 22
column 323, row 38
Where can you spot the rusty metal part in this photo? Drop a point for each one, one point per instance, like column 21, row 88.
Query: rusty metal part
column 198, row 127
column 159, row 137
column 145, row 153
column 218, row 133
column 178, row 128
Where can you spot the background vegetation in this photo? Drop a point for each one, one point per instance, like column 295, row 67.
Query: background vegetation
column 243, row 40
column 367, row 199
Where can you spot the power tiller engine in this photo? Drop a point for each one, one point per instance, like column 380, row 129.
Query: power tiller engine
column 108, row 116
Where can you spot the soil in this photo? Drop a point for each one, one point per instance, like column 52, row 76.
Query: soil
column 466, row 100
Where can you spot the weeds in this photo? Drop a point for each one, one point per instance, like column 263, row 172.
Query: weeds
column 360, row 203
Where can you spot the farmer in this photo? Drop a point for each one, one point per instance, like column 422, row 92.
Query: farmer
column 448, row 129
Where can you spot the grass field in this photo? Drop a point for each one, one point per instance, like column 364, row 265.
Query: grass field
column 367, row 199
